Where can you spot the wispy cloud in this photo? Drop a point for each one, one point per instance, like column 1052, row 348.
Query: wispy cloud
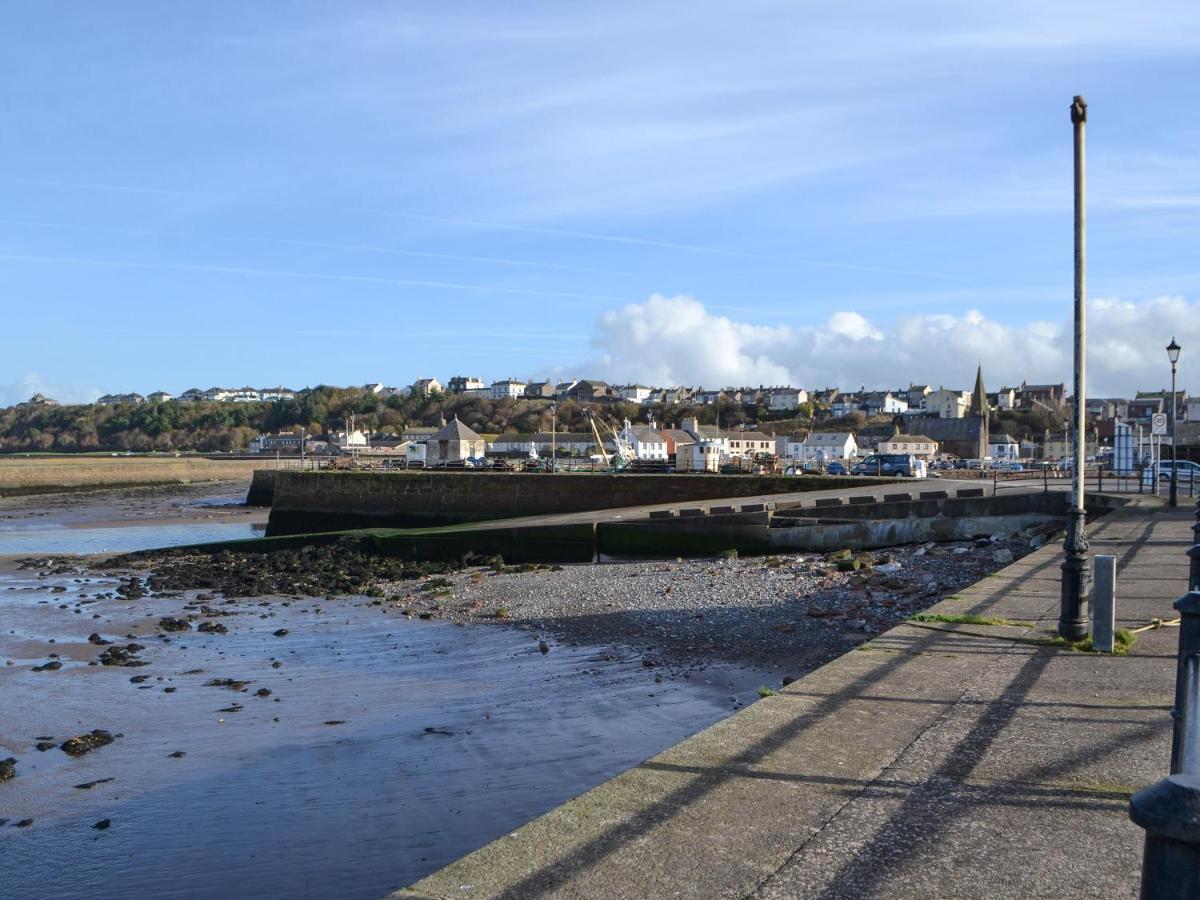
column 314, row 276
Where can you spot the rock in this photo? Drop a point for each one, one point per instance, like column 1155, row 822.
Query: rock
column 1036, row 541
column 43, row 746
column 280, row 632
column 839, row 555
column 920, row 551
column 848, row 565
column 171, row 623
column 138, row 679
column 102, row 824
column 784, row 628
column 24, row 823
column 52, row 666
column 213, row 628
column 263, row 692
column 1003, row 555
column 8, row 769
column 336, row 722
column 788, row 679
column 959, row 551
column 94, row 638
column 888, row 568
column 85, row 743
column 178, row 754
column 88, row 785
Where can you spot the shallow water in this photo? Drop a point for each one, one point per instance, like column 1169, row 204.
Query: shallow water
column 448, row 737
column 44, row 539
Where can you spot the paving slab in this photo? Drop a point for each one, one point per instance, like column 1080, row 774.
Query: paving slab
column 939, row 759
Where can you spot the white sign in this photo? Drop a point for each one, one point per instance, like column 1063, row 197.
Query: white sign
column 1158, row 423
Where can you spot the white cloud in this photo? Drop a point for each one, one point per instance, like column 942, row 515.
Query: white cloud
column 677, row 340
column 33, row 383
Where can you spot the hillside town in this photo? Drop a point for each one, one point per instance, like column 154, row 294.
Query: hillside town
column 698, row 429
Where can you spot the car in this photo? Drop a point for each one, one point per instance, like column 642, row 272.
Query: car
column 1188, row 470
column 1007, row 465
column 836, row 468
column 890, row 464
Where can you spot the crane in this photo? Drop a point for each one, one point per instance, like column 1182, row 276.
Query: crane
column 624, row 454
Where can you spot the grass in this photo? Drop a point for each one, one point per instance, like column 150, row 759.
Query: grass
column 967, row 619
column 1123, row 642
column 501, row 612
column 20, row 476
column 765, row 691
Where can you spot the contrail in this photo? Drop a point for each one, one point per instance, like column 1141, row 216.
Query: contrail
column 525, row 229
column 319, row 276
column 362, row 248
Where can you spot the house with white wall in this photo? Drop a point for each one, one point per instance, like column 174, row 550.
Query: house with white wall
column 825, row 446
column 788, row 398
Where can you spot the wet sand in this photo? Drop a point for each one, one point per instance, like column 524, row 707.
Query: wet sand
column 386, row 747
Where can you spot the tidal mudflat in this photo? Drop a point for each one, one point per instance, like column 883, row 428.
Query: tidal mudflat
column 309, row 746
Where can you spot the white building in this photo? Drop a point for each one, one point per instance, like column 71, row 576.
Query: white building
column 277, row 393
column 423, row 387
column 825, row 446
column 646, row 440
column 845, row 404
column 353, row 440
column 1004, row 447
column 788, row 398
column 509, row 388
column 634, row 393
column 947, row 404
column 913, row 444
column 246, row 395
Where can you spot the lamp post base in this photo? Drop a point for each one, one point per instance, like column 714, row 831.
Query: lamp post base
column 1073, row 619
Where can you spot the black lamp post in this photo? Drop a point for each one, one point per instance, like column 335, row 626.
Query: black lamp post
column 553, row 437
column 1173, row 355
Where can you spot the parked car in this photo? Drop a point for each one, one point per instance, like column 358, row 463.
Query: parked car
column 891, row 464
column 1187, row 470
column 836, row 468
column 1007, row 465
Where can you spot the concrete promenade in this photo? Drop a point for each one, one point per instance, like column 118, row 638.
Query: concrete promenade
column 938, row 760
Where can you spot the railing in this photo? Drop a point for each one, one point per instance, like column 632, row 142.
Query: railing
column 1169, row 811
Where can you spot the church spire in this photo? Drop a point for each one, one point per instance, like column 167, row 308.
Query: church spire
column 979, row 401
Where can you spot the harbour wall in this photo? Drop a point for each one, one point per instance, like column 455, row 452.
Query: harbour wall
column 304, row 502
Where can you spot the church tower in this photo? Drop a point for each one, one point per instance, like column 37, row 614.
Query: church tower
column 979, row 410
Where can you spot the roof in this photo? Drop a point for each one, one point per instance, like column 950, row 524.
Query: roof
column 912, row 438
column 1002, row 439
column 679, row 436
column 751, row 436
column 647, row 434
column 832, row 438
column 455, row 430
column 965, row 429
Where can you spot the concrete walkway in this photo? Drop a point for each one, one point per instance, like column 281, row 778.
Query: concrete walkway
column 940, row 760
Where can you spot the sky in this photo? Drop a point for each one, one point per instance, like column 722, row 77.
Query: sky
column 869, row 194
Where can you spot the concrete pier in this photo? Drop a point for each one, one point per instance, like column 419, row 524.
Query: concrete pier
column 940, row 759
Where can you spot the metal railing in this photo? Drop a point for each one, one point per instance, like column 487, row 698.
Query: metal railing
column 1169, row 811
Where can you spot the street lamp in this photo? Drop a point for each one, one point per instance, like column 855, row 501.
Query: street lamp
column 553, row 436
column 1173, row 355
column 1073, row 613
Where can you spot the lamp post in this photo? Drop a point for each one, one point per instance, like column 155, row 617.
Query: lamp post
column 1073, row 611
column 1173, row 355
column 553, row 437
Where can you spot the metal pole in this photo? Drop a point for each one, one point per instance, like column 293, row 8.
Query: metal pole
column 1174, row 497
column 1073, row 613
column 553, row 437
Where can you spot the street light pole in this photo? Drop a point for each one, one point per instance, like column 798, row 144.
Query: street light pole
column 553, row 437
column 1073, row 612
column 1173, row 355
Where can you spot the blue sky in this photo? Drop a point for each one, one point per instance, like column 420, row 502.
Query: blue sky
column 286, row 192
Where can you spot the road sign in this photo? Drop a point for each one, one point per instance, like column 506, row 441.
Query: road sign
column 1158, row 423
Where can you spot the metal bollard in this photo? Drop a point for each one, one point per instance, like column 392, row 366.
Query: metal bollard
column 1188, row 607
column 1169, row 811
